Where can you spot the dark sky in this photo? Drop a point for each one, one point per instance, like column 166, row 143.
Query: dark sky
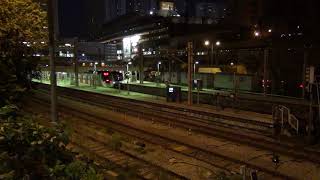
column 75, row 16
column 72, row 17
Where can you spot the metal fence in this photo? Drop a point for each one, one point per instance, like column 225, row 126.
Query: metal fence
column 283, row 115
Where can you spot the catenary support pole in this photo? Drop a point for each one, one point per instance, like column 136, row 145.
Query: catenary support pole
column 304, row 83
column 75, row 62
column 310, row 121
column 190, row 66
column 141, row 64
column 265, row 70
column 53, row 78
column 212, row 54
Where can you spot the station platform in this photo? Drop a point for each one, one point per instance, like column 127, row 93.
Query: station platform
column 245, row 101
column 240, row 94
column 231, row 112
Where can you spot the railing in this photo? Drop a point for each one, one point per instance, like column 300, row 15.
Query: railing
column 294, row 123
column 283, row 115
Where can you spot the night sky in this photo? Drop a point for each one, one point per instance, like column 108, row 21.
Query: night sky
column 72, row 17
column 75, row 16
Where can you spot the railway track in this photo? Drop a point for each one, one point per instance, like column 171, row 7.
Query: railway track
column 207, row 118
column 97, row 147
column 101, row 150
column 202, row 154
column 190, row 119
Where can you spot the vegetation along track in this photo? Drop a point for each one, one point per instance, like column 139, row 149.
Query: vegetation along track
column 204, row 155
column 180, row 118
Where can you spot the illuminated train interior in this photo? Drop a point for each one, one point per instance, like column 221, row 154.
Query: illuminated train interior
column 111, row 77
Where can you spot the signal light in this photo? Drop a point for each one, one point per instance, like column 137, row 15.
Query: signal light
column 106, row 73
column 301, row 86
column 275, row 159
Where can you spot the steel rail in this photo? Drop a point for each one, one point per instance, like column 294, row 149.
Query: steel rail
column 269, row 144
column 156, row 138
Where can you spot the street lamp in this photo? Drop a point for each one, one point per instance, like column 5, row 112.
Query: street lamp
column 128, row 74
column 159, row 63
column 95, row 74
column 95, row 66
column 256, row 33
column 129, row 63
column 158, row 73
column 194, row 69
column 207, row 43
column 135, row 50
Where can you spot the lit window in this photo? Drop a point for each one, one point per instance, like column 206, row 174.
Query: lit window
column 166, row 5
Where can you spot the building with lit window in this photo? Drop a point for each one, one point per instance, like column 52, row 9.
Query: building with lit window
column 214, row 9
column 116, row 8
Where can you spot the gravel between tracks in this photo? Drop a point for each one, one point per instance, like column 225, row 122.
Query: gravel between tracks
column 292, row 167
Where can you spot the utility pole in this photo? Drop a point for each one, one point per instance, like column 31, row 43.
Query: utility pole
column 94, row 75
column 190, row 64
column 75, row 62
column 141, row 64
column 310, row 122
column 304, row 82
column 170, row 71
column 212, row 54
column 265, row 70
column 53, row 78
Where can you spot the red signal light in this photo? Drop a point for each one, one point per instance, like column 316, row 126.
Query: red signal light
column 106, row 74
column 301, row 86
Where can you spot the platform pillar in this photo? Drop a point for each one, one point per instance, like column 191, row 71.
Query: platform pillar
column 190, row 67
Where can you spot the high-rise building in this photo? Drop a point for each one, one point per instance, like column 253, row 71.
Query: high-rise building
column 200, row 8
column 116, row 8
column 246, row 12
column 141, row 6
column 286, row 17
column 214, row 9
column 211, row 10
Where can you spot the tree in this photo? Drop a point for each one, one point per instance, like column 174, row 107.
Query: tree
column 23, row 28
column 29, row 150
column 23, row 32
